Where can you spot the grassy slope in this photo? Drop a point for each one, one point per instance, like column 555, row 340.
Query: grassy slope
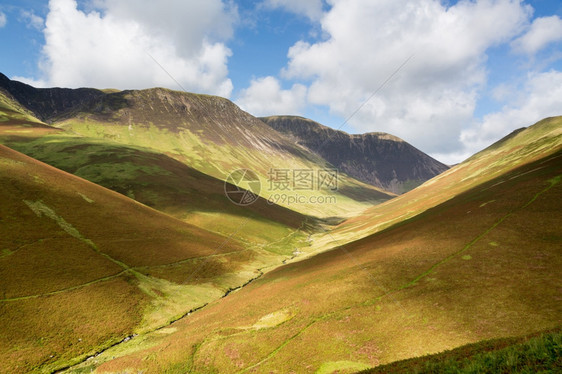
column 157, row 174
column 156, row 180
column 537, row 353
column 84, row 265
column 215, row 137
column 482, row 264
column 524, row 146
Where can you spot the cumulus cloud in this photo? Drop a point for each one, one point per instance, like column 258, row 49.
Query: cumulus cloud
column 266, row 97
column 433, row 97
column 308, row 8
column 543, row 31
column 3, row 20
column 120, row 44
column 539, row 97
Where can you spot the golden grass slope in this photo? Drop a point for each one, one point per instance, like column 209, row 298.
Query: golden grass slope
column 80, row 266
column 483, row 263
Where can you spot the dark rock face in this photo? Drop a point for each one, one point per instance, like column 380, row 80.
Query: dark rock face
column 379, row 159
column 48, row 103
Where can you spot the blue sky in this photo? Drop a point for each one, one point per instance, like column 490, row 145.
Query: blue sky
column 475, row 70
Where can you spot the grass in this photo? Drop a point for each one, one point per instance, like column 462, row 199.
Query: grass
column 165, row 184
column 535, row 354
column 401, row 293
column 65, row 242
column 47, row 338
column 469, row 256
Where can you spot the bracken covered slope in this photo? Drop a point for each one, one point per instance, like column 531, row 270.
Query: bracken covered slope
column 81, row 266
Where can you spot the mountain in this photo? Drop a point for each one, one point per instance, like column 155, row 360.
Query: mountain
column 47, row 103
column 154, row 179
column 163, row 273
column 379, row 159
column 477, row 260
column 206, row 133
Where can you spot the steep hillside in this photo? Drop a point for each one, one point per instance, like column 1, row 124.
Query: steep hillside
column 482, row 263
column 536, row 353
column 523, row 146
column 379, row 159
column 209, row 134
column 83, row 267
column 160, row 182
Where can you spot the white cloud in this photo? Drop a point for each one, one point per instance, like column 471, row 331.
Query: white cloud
column 32, row 20
column 266, row 97
column 3, row 20
column 433, row 97
column 543, row 31
column 540, row 97
column 111, row 44
column 309, row 8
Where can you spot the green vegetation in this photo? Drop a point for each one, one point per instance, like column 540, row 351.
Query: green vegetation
column 71, row 248
column 404, row 292
column 165, row 184
column 537, row 354
column 184, row 281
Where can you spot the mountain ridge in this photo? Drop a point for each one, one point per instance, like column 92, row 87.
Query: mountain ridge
column 377, row 158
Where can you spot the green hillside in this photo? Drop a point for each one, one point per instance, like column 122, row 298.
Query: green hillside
column 481, row 262
column 538, row 353
column 213, row 136
column 71, row 248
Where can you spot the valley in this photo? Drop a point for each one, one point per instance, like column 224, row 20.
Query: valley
column 120, row 250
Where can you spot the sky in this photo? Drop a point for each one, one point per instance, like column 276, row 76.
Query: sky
column 449, row 77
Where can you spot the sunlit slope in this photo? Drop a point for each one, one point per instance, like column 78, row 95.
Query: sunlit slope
column 82, row 267
column 483, row 264
column 215, row 137
column 521, row 147
column 156, row 180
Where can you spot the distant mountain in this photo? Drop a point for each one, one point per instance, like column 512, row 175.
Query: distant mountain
column 207, row 133
column 377, row 158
